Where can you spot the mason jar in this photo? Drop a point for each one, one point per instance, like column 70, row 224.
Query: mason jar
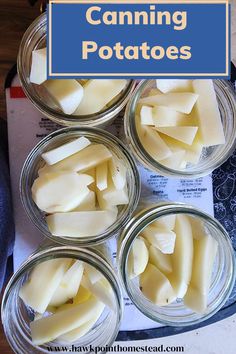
column 34, row 162
column 223, row 276
column 211, row 157
column 16, row 315
column 35, row 38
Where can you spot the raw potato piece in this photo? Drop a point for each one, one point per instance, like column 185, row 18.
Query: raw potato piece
column 173, row 85
column 146, row 115
column 155, row 145
column 42, row 283
column 101, row 176
column 184, row 134
column 49, row 328
column 92, row 273
column 65, row 150
column 85, row 159
column 102, row 290
column 182, row 257
column 38, row 73
column 118, row 172
column 82, row 295
column 60, row 192
column 98, row 93
column 205, row 249
column 166, row 117
column 156, row 287
column 77, row 333
column 67, row 94
column 180, row 102
column 69, row 285
column 81, row 223
column 138, row 258
column 193, row 152
column 161, row 238
column 209, row 119
column 175, row 160
column 160, row 260
column 88, row 204
column 166, row 222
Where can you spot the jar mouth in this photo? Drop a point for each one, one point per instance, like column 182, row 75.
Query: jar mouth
column 56, row 115
column 12, row 292
column 177, row 314
column 218, row 154
column 34, row 161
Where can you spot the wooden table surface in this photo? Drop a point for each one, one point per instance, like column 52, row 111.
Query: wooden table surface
column 15, row 17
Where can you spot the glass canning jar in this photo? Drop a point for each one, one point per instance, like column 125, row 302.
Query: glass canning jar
column 16, row 316
column 34, row 162
column 223, row 277
column 35, row 38
column 211, row 158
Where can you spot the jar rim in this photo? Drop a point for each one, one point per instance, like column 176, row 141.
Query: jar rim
column 135, row 188
column 95, row 119
column 145, row 217
column 137, row 148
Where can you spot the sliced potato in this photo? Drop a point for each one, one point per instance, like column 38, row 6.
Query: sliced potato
column 101, row 176
column 60, row 191
column 81, row 223
column 38, row 72
column 65, row 150
column 138, row 257
column 43, row 281
column 156, row 286
column 160, row 260
column 146, row 115
column 118, row 172
column 174, row 85
column 69, row 285
column 182, row 257
column 180, row 102
column 166, row 222
column 155, row 145
column 184, row 134
column 49, row 328
column 175, row 160
column 88, row 203
column 166, row 117
column 161, row 238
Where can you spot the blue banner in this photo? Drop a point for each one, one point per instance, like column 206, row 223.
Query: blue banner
column 138, row 39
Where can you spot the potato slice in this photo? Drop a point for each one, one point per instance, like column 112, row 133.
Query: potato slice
column 118, row 172
column 69, row 285
column 160, row 260
column 166, row 117
column 101, row 176
column 208, row 114
column 85, row 159
column 60, row 191
column 49, row 328
column 155, row 145
column 180, row 102
column 67, row 94
column 175, row 160
column 156, row 287
column 44, row 279
column 161, row 238
column 88, row 204
column 92, row 273
column 166, row 222
column 146, row 115
column 113, row 196
column 38, row 72
column 82, row 295
column 61, row 152
column 98, row 93
column 102, row 290
column 81, row 223
column 138, row 257
column 205, row 250
column 192, row 152
column 184, row 134
column 174, row 85
column 182, row 257
column 79, row 332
